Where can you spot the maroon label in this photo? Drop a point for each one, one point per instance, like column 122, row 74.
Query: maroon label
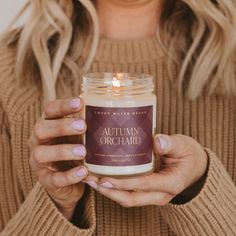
column 119, row 136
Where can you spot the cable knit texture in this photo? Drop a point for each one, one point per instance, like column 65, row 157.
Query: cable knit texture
column 25, row 207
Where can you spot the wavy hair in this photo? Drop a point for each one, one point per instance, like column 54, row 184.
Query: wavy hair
column 199, row 38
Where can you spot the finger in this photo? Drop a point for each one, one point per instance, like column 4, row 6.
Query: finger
column 33, row 140
column 92, row 181
column 135, row 199
column 45, row 130
column 64, row 152
column 35, row 165
column 171, row 146
column 56, row 180
column 154, row 182
column 38, row 166
column 63, row 107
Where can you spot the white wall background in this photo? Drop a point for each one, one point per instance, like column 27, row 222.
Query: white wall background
column 8, row 9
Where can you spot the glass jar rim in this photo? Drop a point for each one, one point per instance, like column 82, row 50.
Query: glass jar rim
column 118, row 82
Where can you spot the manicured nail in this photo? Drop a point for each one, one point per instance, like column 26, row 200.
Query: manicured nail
column 75, row 103
column 78, row 125
column 81, row 172
column 107, row 185
column 92, row 184
column 79, row 151
column 163, row 142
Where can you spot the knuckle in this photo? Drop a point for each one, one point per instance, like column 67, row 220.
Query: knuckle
column 49, row 108
column 63, row 105
column 62, row 126
column 71, row 178
column 38, row 130
column 68, row 178
column 54, row 181
column 60, row 152
column 37, row 154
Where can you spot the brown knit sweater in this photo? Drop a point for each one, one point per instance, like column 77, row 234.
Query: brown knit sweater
column 25, row 207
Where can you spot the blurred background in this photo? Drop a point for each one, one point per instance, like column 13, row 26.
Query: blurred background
column 8, row 9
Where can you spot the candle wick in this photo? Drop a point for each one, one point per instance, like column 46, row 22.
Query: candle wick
column 116, row 82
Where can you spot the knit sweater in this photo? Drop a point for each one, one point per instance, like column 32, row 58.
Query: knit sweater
column 26, row 208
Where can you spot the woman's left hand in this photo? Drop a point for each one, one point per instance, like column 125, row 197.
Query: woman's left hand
column 183, row 163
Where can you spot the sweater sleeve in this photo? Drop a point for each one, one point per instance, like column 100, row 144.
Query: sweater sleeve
column 212, row 211
column 34, row 214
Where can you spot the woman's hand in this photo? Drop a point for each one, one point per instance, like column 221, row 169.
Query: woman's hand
column 55, row 163
column 184, row 162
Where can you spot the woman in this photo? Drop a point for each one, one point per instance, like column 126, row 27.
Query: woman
column 194, row 193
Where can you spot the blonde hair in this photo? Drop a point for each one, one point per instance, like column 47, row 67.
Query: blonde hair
column 201, row 41
column 199, row 38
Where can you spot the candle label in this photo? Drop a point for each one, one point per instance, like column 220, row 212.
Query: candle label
column 119, row 136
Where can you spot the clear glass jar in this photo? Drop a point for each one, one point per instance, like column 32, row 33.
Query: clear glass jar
column 120, row 112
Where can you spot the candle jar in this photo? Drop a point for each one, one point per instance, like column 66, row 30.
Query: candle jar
column 120, row 112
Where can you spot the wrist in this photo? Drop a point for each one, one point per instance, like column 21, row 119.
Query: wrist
column 192, row 191
column 67, row 212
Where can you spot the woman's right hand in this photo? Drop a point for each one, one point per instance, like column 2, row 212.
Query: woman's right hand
column 49, row 159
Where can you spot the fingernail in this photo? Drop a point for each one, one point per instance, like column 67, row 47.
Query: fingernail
column 163, row 142
column 92, row 184
column 78, row 125
column 107, row 185
column 81, row 172
column 79, row 151
column 75, row 103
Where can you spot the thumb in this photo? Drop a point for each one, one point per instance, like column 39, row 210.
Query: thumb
column 168, row 145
